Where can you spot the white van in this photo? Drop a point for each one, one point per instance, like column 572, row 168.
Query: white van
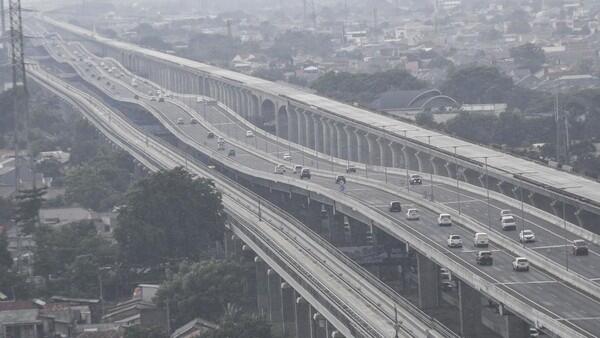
column 481, row 240
column 508, row 223
column 445, row 220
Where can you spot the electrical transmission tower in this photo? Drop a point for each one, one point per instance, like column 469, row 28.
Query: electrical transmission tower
column 19, row 80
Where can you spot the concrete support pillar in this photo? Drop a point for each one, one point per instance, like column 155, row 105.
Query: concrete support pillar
column 302, row 318
column 326, row 136
column 363, row 147
column 262, row 292
column 309, row 127
column 428, row 274
column 469, row 307
column 395, row 152
column 342, row 142
column 292, row 125
column 515, row 327
column 385, row 152
column 333, row 139
column 288, row 310
column 351, row 144
column 373, row 149
column 301, row 125
column 318, row 129
column 275, row 311
column 318, row 324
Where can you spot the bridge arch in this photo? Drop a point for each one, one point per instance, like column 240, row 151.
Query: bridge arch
column 266, row 119
column 282, row 122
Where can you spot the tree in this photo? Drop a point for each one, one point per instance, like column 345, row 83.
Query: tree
column 236, row 324
column 72, row 254
column 28, row 204
column 7, row 209
column 528, row 56
column 5, row 257
column 204, row 289
column 425, row 119
column 478, row 84
column 270, row 74
column 169, row 215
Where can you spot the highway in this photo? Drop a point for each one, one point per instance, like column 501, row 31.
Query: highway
column 539, row 286
column 356, row 306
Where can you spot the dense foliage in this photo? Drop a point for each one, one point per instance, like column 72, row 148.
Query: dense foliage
column 169, row 215
column 204, row 289
column 364, row 88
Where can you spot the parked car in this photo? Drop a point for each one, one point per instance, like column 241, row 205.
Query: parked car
column 297, row 169
column 279, row 169
column 395, row 206
column 249, row 133
column 526, row 236
column 412, row 214
column 193, row 120
column 580, row 248
column 508, row 223
column 454, row 241
column 305, row 173
column 415, row 179
column 480, row 240
column 484, row 258
column 287, row 157
column 444, row 220
column 210, row 135
column 520, row 264
column 350, row 169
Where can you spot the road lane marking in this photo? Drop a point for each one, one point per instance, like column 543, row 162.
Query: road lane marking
column 548, row 246
column 530, row 282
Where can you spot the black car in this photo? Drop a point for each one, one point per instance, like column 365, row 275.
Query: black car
column 350, row 169
column 231, row 153
column 415, row 179
column 484, row 258
column 340, row 179
column 580, row 248
column 395, row 206
column 210, row 135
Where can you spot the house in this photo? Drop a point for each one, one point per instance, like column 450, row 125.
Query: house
column 20, row 319
column 194, row 329
column 139, row 310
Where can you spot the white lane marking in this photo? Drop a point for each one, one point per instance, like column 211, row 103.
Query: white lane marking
column 530, row 282
column 548, row 246
column 576, row 318
column 492, row 250
column 461, row 201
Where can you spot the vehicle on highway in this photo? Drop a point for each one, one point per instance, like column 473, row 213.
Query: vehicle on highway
column 221, row 144
column 231, row 153
column 136, row 96
column 297, row 169
column 508, row 223
column 526, row 236
column 210, row 135
column 279, row 169
column 198, row 99
column 220, row 140
column 454, row 241
column 444, row 220
column 415, row 179
column 180, row 120
column 395, row 206
column 287, row 157
column 249, row 133
column 481, row 240
column 150, row 93
column 340, row 179
column 580, row 248
column 134, row 83
column 520, row 264
column 161, row 99
column 350, row 169
column 412, row 214
column 152, row 98
column 505, row 212
column 193, row 120
column 484, row 258
column 305, row 173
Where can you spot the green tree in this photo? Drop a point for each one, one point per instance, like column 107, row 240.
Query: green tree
column 72, row 255
column 478, row 84
column 204, row 289
column 235, row 324
column 28, row 204
column 7, row 209
column 528, row 56
column 270, row 74
column 169, row 215
column 5, row 257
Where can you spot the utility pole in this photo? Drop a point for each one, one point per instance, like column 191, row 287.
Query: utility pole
column 562, row 133
column 2, row 22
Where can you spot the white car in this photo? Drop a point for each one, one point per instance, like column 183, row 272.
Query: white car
column 505, row 212
column 520, row 264
column 526, row 236
column 249, row 133
column 287, row 157
column 455, row 241
column 481, row 240
column 444, row 220
column 412, row 214
column 508, row 223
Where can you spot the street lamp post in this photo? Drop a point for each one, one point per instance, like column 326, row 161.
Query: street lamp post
column 564, row 203
column 404, row 131
column 456, row 165
column 487, row 186
column 431, row 171
column 523, row 221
